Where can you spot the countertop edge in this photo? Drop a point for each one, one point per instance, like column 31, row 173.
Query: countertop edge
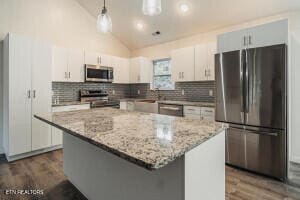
column 129, row 158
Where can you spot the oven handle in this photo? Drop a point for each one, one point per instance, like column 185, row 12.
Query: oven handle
column 170, row 108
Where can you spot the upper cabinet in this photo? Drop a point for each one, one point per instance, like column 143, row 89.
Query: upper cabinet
column 121, row 70
column 94, row 58
column 140, row 70
column 67, row 65
column 259, row 36
column 183, row 64
column 205, row 62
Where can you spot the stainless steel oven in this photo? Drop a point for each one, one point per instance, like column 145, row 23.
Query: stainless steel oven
column 96, row 73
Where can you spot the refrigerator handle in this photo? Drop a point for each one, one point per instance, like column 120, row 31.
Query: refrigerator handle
column 242, row 85
column 246, row 84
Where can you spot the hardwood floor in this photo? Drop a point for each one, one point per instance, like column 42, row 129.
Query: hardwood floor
column 44, row 172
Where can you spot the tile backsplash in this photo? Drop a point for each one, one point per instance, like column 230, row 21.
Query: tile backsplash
column 184, row 91
column 203, row 91
column 70, row 91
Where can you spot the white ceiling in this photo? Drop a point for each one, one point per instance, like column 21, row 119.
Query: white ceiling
column 206, row 15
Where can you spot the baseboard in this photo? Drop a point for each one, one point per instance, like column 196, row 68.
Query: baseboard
column 295, row 159
column 33, row 153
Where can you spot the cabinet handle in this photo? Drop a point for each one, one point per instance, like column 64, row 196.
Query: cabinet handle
column 250, row 40
column 245, row 41
column 179, row 74
column 66, row 75
column 69, row 74
column 34, row 95
column 205, row 73
column 100, row 60
column 182, row 74
column 28, row 94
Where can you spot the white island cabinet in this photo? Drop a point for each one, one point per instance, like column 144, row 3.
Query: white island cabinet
column 120, row 155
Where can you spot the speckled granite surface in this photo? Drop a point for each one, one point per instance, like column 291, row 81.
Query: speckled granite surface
column 189, row 103
column 148, row 140
column 184, row 103
column 71, row 103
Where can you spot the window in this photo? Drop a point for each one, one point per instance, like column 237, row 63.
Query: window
column 162, row 75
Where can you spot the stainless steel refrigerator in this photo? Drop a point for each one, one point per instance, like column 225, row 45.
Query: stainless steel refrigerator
column 251, row 96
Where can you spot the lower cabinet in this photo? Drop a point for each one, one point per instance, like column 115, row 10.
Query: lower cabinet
column 57, row 134
column 194, row 112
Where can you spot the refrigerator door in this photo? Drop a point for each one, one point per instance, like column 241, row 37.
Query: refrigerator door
column 265, row 99
column 266, row 152
column 229, row 74
column 258, row 150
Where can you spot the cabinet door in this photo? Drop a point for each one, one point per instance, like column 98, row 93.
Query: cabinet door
column 105, row 60
column 19, row 95
column 41, row 94
column 59, row 64
column 135, row 70
column 201, row 62
column 57, row 136
column 183, row 64
column 76, row 65
column 268, row 34
column 121, row 70
column 232, row 41
column 211, row 51
column 145, row 68
column 91, row 58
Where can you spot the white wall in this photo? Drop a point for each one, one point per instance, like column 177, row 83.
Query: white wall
column 61, row 22
column 1, row 99
column 294, row 87
column 164, row 50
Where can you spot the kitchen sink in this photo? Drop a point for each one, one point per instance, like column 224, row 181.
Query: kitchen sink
column 146, row 105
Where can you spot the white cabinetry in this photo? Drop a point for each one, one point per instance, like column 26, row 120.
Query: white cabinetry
column 183, row 64
column 140, row 70
column 94, row 58
column 27, row 91
column 194, row 112
column 205, row 61
column 67, row 65
column 57, row 134
column 121, row 70
column 259, row 36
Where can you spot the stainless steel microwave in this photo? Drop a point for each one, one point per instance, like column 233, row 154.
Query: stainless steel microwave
column 96, row 73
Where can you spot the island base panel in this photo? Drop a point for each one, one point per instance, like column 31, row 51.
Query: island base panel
column 102, row 175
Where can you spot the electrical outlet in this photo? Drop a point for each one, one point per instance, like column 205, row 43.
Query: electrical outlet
column 139, row 92
column 182, row 92
column 211, row 93
column 113, row 92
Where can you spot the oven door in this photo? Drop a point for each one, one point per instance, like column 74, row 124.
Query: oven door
column 96, row 74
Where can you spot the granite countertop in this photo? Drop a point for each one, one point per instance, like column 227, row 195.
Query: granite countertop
column 189, row 103
column 184, row 103
column 71, row 103
column 148, row 140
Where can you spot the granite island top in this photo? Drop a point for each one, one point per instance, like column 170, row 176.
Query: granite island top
column 148, row 140
column 69, row 103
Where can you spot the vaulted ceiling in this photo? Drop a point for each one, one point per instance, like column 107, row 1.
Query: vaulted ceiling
column 204, row 15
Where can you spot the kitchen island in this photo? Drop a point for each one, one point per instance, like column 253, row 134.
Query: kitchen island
column 113, row 154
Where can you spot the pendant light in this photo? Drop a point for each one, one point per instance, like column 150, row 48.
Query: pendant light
column 151, row 7
column 104, row 23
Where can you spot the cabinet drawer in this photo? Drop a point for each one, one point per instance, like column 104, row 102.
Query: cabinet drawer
column 71, row 108
column 207, row 111
column 192, row 110
column 191, row 116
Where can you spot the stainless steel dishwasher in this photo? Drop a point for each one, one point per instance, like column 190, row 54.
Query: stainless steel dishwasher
column 169, row 109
